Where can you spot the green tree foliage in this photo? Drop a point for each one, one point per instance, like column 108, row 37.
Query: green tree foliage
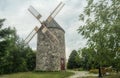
column 14, row 55
column 88, row 59
column 102, row 29
column 74, row 60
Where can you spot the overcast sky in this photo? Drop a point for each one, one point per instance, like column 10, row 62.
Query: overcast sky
column 17, row 15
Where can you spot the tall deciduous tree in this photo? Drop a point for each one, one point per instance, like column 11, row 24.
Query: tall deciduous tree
column 102, row 28
column 5, row 42
column 14, row 55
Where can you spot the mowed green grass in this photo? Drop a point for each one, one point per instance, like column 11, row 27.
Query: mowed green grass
column 117, row 75
column 62, row 74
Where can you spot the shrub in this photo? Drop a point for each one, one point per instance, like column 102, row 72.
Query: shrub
column 78, row 69
column 95, row 71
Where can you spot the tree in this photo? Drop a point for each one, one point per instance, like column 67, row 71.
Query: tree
column 102, row 28
column 88, row 59
column 5, row 41
column 74, row 60
column 14, row 55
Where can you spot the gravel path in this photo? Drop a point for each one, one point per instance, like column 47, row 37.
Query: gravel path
column 79, row 74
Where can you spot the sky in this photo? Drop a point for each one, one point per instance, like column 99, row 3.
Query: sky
column 17, row 15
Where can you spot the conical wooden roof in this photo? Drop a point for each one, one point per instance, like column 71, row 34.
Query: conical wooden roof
column 53, row 24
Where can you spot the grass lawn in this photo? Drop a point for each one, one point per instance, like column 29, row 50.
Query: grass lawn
column 62, row 74
column 111, row 76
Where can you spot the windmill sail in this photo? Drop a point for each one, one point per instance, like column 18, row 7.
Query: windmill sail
column 49, row 35
column 31, row 35
column 34, row 12
column 55, row 11
column 44, row 28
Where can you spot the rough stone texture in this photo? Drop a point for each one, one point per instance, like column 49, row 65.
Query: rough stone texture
column 48, row 56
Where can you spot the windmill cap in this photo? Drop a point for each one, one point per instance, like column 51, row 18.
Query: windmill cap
column 53, row 24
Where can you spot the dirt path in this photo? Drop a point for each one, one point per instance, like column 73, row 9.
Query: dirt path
column 79, row 74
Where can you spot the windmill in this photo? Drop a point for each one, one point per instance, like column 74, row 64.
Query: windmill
column 50, row 54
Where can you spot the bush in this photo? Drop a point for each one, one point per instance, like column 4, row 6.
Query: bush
column 95, row 71
column 78, row 69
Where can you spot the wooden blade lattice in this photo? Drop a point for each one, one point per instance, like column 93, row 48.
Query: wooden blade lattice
column 31, row 35
column 34, row 12
column 55, row 11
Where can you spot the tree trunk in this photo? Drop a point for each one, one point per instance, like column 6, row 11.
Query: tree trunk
column 100, row 74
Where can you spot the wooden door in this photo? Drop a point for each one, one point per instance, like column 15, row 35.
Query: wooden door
column 62, row 64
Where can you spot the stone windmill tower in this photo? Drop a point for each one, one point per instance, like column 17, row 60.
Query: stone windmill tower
column 50, row 54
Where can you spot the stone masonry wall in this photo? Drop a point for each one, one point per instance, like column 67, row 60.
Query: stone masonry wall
column 48, row 55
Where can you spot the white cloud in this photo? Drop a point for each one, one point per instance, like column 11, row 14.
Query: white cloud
column 17, row 15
